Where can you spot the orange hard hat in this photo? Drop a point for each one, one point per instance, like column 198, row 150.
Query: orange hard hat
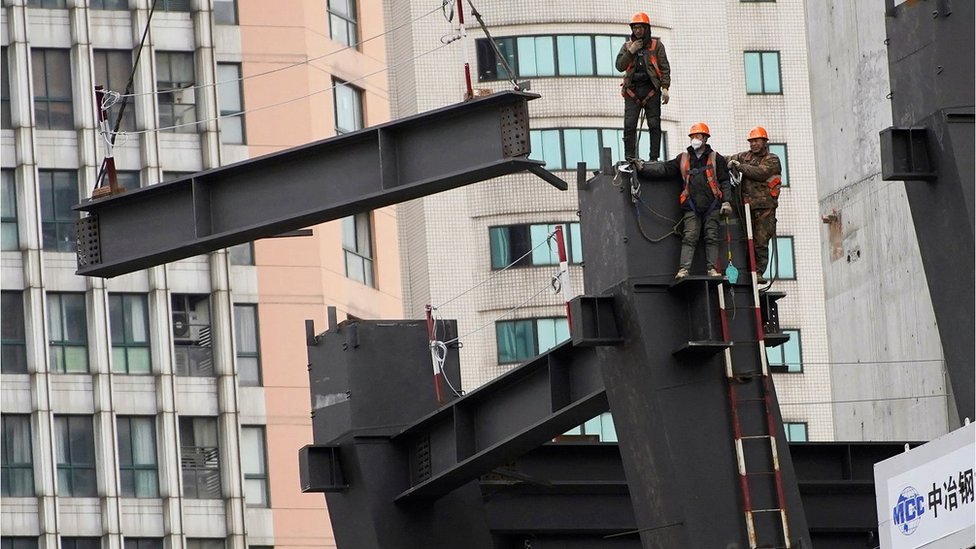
column 758, row 132
column 640, row 18
column 700, row 127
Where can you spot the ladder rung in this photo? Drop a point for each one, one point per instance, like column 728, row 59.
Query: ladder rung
column 776, row 510
column 757, row 473
column 750, row 437
column 740, row 400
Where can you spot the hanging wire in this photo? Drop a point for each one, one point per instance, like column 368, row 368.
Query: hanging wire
column 859, row 400
column 265, row 107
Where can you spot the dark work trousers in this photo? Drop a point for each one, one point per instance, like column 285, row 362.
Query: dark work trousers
column 763, row 230
column 693, row 225
column 652, row 113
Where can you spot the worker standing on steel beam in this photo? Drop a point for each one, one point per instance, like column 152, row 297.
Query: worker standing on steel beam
column 761, row 179
column 704, row 196
column 647, row 77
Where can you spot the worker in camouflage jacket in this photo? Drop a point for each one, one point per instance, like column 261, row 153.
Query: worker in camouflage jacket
column 647, row 77
column 761, row 179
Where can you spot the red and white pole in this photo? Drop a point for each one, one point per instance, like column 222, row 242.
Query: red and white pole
column 469, row 91
column 105, row 129
column 435, row 358
column 564, row 271
column 755, row 289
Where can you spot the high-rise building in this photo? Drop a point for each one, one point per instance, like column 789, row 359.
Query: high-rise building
column 166, row 408
column 746, row 69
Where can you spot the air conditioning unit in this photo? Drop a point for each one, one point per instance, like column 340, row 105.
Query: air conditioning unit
column 181, row 325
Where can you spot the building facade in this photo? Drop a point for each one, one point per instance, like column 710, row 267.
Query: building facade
column 166, row 408
column 751, row 72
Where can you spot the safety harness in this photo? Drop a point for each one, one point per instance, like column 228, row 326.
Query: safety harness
column 626, row 90
column 710, row 176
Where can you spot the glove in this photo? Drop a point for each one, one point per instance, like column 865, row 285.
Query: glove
column 733, row 163
column 665, row 97
column 726, row 208
column 634, row 46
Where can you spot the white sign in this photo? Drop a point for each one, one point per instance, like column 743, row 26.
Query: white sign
column 931, row 501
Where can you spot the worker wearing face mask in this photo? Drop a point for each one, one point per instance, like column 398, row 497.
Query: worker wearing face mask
column 704, row 198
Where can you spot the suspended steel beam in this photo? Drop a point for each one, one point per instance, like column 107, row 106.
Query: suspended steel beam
column 330, row 179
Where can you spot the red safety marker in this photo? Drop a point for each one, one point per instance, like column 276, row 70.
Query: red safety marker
column 469, row 91
column 564, row 272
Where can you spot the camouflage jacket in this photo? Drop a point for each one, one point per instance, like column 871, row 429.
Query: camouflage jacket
column 761, row 178
column 627, row 63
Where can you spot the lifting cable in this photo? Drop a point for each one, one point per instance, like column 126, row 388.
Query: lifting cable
column 494, row 46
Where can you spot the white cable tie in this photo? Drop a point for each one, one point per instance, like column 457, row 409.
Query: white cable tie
column 109, row 99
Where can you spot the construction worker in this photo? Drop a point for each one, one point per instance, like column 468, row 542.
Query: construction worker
column 704, row 196
column 647, row 77
column 761, row 180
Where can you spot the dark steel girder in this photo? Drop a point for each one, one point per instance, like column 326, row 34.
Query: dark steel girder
column 330, row 179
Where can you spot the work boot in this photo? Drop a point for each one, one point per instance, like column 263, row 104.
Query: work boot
column 682, row 273
column 713, row 272
column 760, row 280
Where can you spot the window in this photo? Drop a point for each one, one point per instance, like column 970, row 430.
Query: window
column 75, row 449
column 786, row 358
column 242, row 254
column 200, row 457
column 601, row 427
column 255, row 463
column 68, row 327
column 59, row 193
column 48, row 4
column 795, row 432
column 204, row 543
column 170, row 176
column 192, row 339
column 129, row 321
column 18, row 542
column 248, row 356
column 143, row 543
column 231, row 103
column 357, row 243
column 174, row 88
column 17, row 461
column 509, row 244
column 342, row 22
column 112, row 70
column 762, row 72
column 563, row 55
column 348, row 107
column 5, row 121
column 225, row 12
column 52, row 89
column 137, row 457
column 81, row 543
column 173, row 5
column 109, row 5
column 561, row 149
column 781, row 264
column 128, row 179
column 13, row 341
column 8, row 211
column 779, row 149
column 520, row 340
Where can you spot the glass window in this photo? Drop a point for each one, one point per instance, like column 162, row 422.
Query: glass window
column 231, row 103
column 192, row 335
column 513, row 244
column 781, row 263
column 129, row 320
column 601, row 428
column 342, row 22
column 225, row 12
column 80, row 543
column 762, row 72
column 5, row 121
column 59, row 193
column 779, row 149
column 12, row 335
column 788, row 356
column 563, row 148
column 795, row 431
column 357, row 242
column 48, row 4
column 112, row 70
column 137, row 457
column 109, row 4
column 68, row 328
column 567, row 55
column 17, row 462
column 75, row 449
column 606, row 54
column 143, row 543
column 490, row 66
column 18, row 542
column 547, row 146
column 255, row 464
column 348, row 107
column 173, row 5
column 200, row 457
column 175, row 92
column 52, row 89
column 536, row 56
column 248, row 355
column 8, row 211
column 128, row 179
column 575, row 55
column 204, row 543
column 520, row 340
column 242, row 254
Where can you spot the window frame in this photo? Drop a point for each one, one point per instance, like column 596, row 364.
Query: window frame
column 242, row 254
column 351, row 21
column 788, row 428
column 538, row 137
column 42, row 99
column 47, row 4
column 359, row 103
column 782, row 366
column 6, row 120
column 7, row 466
column 108, row 55
column 262, row 437
column 142, row 543
column 527, row 260
column 20, row 344
column 185, row 303
column 198, row 462
column 101, row 5
column 58, row 361
column 774, row 247
column 762, row 71
column 783, row 158
column 127, row 341
column 535, row 337
column 124, row 424
column 485, row 54
column 256, row 354
column 80, row 542
column 63, row 222
column 368, row 258
column 168, row 89
column 218, row 20
column 8, row 219
column 167, row 6
column 18, row 542
column 236, row 115
column 71, row 467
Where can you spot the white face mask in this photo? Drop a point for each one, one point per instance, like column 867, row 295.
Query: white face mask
column 696, row 143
